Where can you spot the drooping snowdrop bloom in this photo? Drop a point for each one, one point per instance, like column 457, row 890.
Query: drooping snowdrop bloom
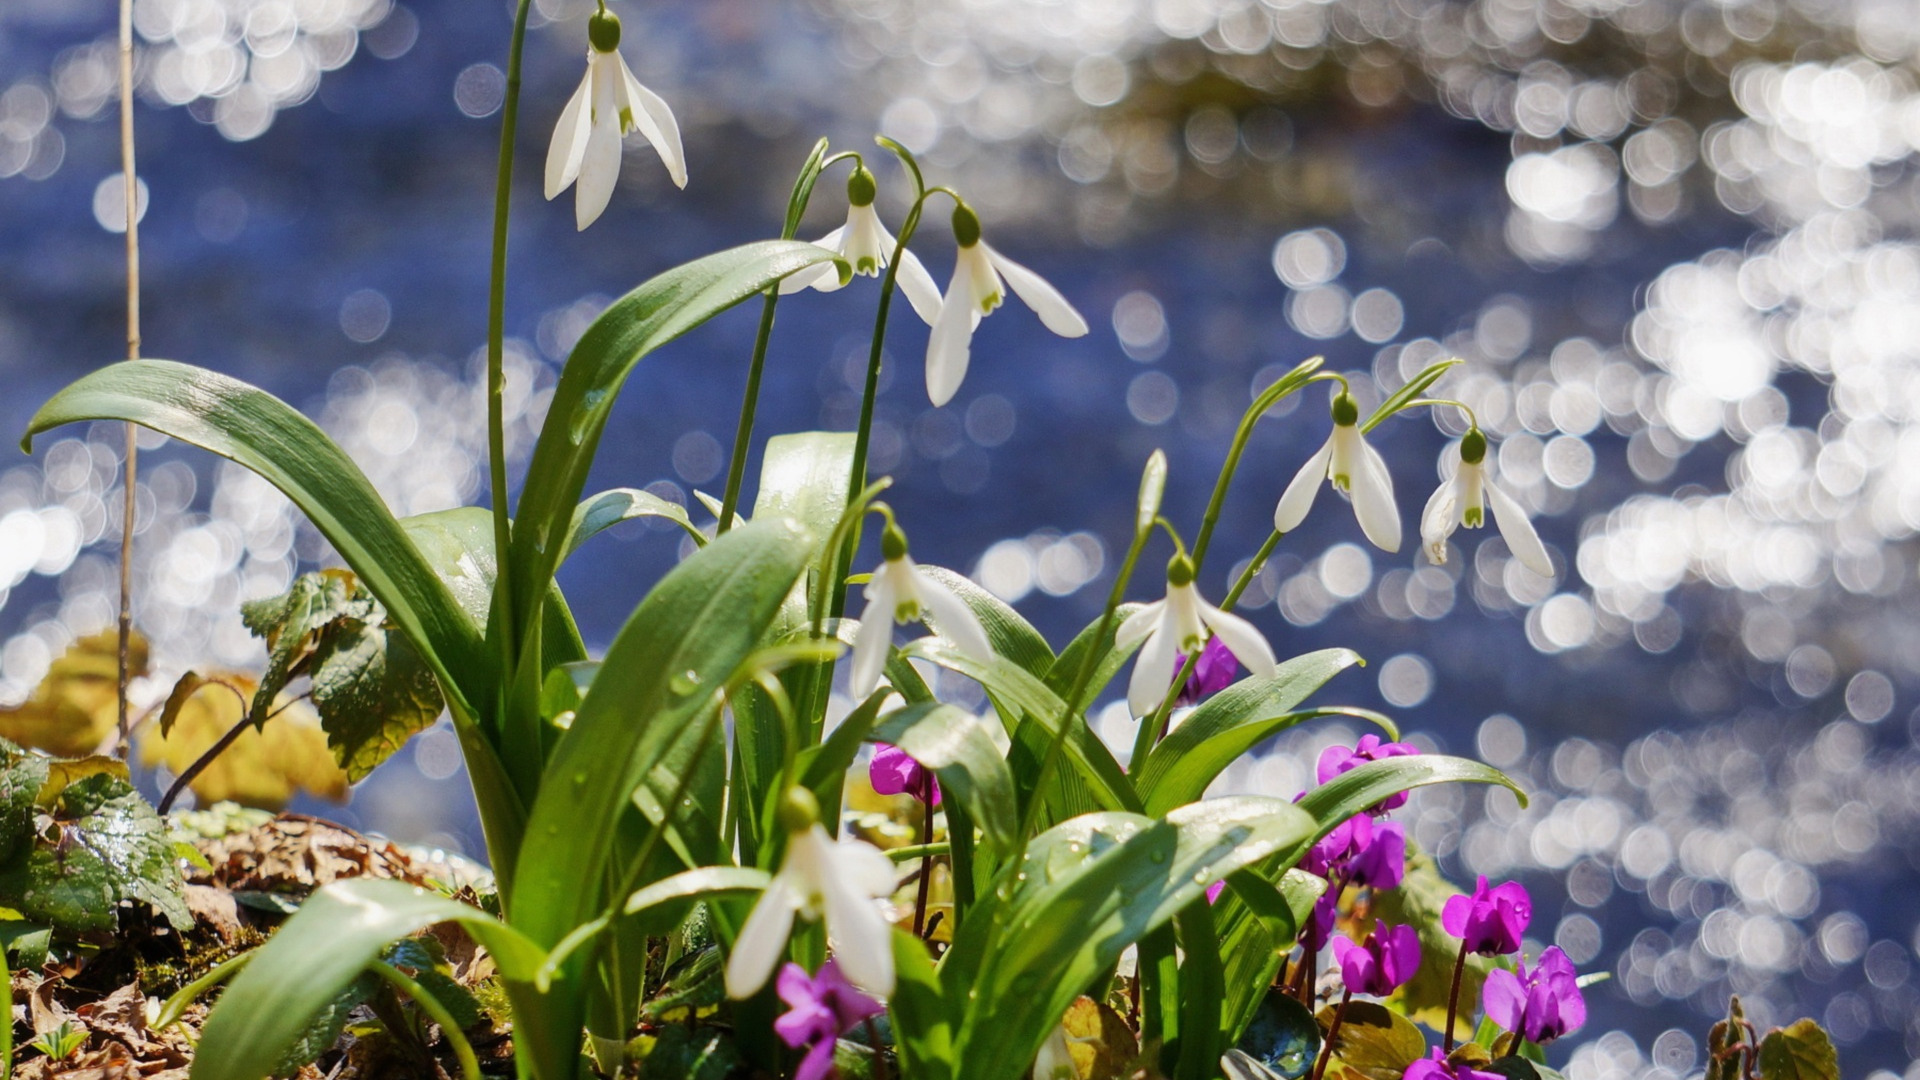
column 902, row 592
column 1352, row 467
column 820, row 878
column 867, row 246
column 820, row 1009
column 1180, row 623
column 1541, row 1004
column 1463, row 499
column 976, row 289
column 609, row 105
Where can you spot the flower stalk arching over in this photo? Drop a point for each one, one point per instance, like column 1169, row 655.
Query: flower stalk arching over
column 1461, row 501
column 976, row 289
column 1353, row 467
column 609, row 105
column 867, row 246
column 902, row 592
column 840, row 882
column 1180, row 623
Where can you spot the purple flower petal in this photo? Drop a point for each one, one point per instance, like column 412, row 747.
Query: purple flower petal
column 1216, row 670
column 895, row 772
column 1492, row 920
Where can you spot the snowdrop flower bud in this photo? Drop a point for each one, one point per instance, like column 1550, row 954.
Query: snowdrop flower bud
column 1352, row 467
column 973, row 293
column 867, row 246
column 1462, row 500
column 609, row 105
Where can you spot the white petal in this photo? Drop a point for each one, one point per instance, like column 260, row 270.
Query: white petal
column 761, row 940
column 599, row 171
column 655, row 121
column 952, row 618
column 825, row 277
column 1138, row 625
column 1249, row 645
column 1152, row 670
column 1440, row 518
column 1298, row 498
column 1372, row 490
column 950, row 344
column 918, row 287
column 1518, row 532
column 862, row 941
column 569, row 143
column 870, row 648
column 1045, row 300
column 864, row 867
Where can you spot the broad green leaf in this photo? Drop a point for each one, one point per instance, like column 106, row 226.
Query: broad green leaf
column 1018, row 688
column 1374, row 1041
column 922, row 1017
column 103, row 844
column 1800, row 1051
column 262, row 433
column 695, row 884
column 1230, row 723
column 1065, row 670
column 1010, row 635
column 953, row 744
column 76, row 707
column 1258, row 923
column 1087, row 889
column 804, row 476
column 664, row 670
column 655, row 313
column 293, row 623
column 598, row 513
column 320, row 951
column 695, row 982
column 1202, row 988
column 1353, row 791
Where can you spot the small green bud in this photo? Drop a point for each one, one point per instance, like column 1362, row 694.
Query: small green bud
column 861, row 187
column 603, row 31
column 893, row 544
column 799, row 810
column 1345, row 412
column 966, row 226
column 1473, row 447
column 1180, row 571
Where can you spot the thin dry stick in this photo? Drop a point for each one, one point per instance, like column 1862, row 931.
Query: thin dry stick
column 128, row 181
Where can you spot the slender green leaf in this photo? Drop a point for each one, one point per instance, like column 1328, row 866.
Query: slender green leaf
column 318, row 954
column 1202, row 987
column 1353, row 791
column 954, row 745
column 1415, row 387
column 921, row 1015
column 1258, row 922
column 1230, row 723
column 650, row 316
column 260, row 432
column 597, row 513
column 1087, row 889
column 1010, row 635
column 1066, row 669
column 697, row 883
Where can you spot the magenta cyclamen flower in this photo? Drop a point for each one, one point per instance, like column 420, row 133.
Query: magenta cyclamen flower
column 1388, row 959
column 1362, row 851
column 1213, row 672
column 820, row 1010
column 1437, row 1068
column 1490, row 921
column 1542, row 1004
column 1319, row 928
column 1335, row 760
column 895, row 772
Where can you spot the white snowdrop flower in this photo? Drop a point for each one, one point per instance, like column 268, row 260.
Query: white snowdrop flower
column 902, row 592
column 1354, row 468
column 842, row 882
column 1462, row 500
column 609, row 105
column 1179, row 624
column 976, row 289
column 867, row 246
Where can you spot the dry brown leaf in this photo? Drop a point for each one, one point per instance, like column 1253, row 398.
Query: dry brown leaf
column 1097, row 1037
column 263, row 768
column 77, row 705
column 296, row 854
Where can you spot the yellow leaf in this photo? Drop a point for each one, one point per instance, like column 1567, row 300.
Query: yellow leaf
column 263, row 768
column 77, row 705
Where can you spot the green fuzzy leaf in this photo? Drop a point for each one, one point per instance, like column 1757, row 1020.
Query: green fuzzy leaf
column 294, row 623
column 103, row 845
column 1374, row 1041
column 1087, row 889
column 970, row 769
column 1800, row 1051
column 22, row 775
column 1230, row 723
column 373, row 693
column 266, row 1012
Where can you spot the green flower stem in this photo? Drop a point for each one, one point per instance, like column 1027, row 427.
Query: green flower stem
column 496, row 339
column 1290, row 383
column 919, row 851
column 449, row 1028
column 1149, row 732
column 1080, row 680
